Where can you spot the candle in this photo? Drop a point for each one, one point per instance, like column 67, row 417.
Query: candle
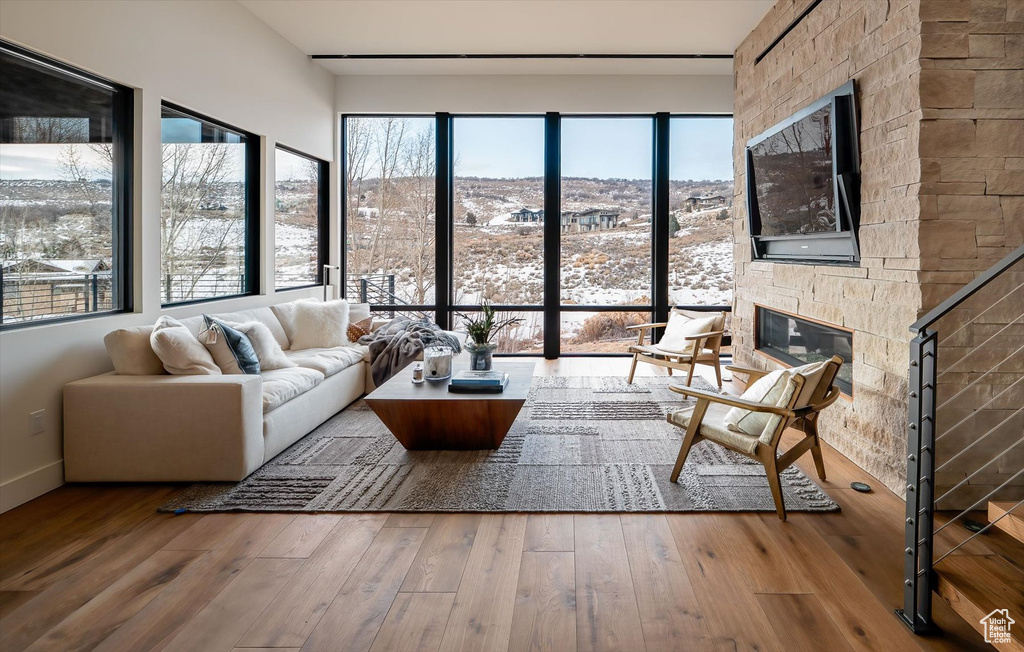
column 437, row 363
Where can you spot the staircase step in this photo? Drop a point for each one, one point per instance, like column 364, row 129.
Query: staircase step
column 1012, row 523
column 976, row 585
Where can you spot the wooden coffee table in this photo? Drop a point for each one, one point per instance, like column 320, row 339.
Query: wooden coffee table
column 428, row 417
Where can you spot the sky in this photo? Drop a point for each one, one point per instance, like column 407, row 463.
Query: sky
column 700, row 148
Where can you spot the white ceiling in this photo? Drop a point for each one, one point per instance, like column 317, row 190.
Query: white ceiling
column 515, row 27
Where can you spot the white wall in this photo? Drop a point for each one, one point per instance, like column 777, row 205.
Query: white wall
column 213, row 57
column 535, row 93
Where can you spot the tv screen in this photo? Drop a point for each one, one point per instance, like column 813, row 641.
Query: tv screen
column 793, row 177
column 803, row 190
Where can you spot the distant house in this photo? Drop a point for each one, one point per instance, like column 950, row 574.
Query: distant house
column 527, row 215
column 42, row 287
column 705, row 201
column 594, row 219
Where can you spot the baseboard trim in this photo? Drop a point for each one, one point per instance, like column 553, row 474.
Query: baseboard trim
column 31, row 485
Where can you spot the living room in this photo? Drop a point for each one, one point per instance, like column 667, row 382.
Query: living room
column 466, row 325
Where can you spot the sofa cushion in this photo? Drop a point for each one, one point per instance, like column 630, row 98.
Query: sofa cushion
column 328, row 361
column 282, row 385
column 320, row 325
column 267, row 348
column 132, row 354
column 230, row 348
column 711, row 426
column 263, row 315
column 179, row 350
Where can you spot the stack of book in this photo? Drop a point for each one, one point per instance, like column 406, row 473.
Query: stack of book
column 478, row 382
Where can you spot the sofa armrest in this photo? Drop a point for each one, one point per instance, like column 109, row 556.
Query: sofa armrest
column 163, row 428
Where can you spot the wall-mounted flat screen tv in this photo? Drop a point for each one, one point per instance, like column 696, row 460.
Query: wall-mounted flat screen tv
column 803, row 185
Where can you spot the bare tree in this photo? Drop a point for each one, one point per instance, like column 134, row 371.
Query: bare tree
column 196, row 236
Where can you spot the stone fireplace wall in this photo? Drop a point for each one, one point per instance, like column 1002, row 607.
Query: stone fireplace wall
column 972, row 215
column 878, row 44
column 940, row 93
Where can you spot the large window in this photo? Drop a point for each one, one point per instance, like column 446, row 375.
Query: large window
column 209, row 230
column 389, row 206
column 300, row 219
column 65, row 150
column 605, row 231
column 700, row 222
column 498, row 229
column 579, row 226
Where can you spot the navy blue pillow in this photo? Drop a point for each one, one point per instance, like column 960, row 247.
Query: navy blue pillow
column 240, row 346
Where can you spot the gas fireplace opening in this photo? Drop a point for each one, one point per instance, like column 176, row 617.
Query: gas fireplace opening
column 791, row 340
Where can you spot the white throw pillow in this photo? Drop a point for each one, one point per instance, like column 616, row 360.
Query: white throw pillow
column 265, row 344
column 285, row 313
column 319, row 325
column 179, row 350
column 679, row 328
column 132, row 354
column 768, row 390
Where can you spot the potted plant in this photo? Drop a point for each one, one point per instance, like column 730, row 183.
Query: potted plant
column 480, row 330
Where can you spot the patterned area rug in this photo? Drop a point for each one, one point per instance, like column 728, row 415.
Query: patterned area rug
column 580, row 444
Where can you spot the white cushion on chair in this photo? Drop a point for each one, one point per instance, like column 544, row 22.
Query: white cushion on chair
column 768, row 390
column 679, row 328
column 712, row 428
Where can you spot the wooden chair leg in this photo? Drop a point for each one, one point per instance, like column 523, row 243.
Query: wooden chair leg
column 774, row 482
column 632, row 370
column 811, row 430
column 689, row 439
column 718, row 373
column 689, row 373
column 669, row 370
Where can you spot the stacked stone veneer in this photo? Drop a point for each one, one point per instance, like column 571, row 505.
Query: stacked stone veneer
column 940, row 182
column 972, row 215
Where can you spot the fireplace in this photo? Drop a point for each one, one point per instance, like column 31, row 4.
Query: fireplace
column 792, row 340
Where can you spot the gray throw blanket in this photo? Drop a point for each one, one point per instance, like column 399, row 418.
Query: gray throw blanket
column 399, row 342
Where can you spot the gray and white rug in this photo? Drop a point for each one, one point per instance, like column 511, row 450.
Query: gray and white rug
column 580, row 444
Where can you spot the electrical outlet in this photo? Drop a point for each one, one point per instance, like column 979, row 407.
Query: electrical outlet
column 36, row 422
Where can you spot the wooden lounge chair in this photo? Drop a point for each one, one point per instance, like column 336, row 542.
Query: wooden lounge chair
column 706, row 347
column 705, row 421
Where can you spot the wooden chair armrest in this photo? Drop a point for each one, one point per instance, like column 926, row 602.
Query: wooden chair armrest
column 702, row 336
column 733, row 401
column 644, row 327
column 829, row 399
column 754, row 374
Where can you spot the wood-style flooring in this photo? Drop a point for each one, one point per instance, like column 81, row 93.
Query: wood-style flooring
column 95, row 567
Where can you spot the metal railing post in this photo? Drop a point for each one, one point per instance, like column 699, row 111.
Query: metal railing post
column 362, row 290
column 917, row 564
column 95, row 293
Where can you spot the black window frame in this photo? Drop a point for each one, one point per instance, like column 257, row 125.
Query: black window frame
column 551, row 305
column 122, row 190
column 253, row 205
column 323, row 216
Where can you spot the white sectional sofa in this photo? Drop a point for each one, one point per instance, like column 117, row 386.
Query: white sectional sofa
column 163, row 427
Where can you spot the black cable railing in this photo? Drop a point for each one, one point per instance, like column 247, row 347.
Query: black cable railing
column 965, row 416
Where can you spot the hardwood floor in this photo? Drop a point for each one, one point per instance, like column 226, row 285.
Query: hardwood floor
column 95, row 567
